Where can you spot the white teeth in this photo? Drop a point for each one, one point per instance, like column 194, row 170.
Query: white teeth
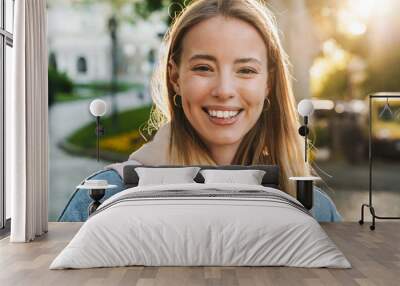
column 223, row 114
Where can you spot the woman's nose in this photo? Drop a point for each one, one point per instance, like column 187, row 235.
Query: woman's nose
column 224, row 87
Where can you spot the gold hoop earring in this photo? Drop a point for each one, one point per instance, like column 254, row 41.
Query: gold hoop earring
column 267, row 103
column 174, row 100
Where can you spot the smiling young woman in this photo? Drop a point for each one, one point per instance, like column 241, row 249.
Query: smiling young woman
column 222, row 96
column 224, row 87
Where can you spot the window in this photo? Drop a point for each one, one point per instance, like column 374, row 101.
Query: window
column 9, row 16
column 82, row 65
column 6, row 44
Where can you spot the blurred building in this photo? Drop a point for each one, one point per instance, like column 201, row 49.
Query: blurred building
column 79, row 39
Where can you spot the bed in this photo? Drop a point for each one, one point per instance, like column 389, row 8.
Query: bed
column 201, row 224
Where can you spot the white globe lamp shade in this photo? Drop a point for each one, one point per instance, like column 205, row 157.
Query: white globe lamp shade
column 305, row 107
column 98, row 107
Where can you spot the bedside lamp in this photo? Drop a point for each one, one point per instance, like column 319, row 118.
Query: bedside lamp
column 304, row 186
column 98, row 108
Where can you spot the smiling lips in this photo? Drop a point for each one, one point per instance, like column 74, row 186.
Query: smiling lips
column 222, row 115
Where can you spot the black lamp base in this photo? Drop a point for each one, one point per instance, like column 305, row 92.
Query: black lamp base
column 96, row 195
column 304, row 193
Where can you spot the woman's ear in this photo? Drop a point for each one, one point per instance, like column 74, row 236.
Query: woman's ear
column 173, row 71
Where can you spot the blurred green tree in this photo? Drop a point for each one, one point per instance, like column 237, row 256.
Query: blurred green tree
column 144, row 8
column 57, row 82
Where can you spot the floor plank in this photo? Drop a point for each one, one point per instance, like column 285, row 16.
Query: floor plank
column 374, row 255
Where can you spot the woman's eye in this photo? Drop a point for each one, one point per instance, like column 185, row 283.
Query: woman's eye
column 201, row 68
column 247, row 71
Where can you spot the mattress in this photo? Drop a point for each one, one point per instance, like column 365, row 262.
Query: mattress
column 201, row 225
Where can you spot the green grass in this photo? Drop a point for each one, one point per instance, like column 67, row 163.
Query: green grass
column 66, row 97
column 106, row 86
column 127, row 121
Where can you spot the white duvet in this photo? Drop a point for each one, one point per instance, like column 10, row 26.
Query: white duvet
column 182, row 231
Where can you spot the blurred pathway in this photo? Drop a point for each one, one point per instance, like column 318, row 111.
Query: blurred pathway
column 349, row 187
column 66, row 171
column 348, row 203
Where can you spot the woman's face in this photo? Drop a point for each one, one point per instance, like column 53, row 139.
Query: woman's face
column 222, row 79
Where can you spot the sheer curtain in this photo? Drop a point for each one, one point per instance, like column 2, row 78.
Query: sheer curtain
column 27, row 124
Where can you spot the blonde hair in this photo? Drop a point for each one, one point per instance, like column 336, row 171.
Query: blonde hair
column 275, row 139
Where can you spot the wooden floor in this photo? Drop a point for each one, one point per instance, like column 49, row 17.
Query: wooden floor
column 374, row 255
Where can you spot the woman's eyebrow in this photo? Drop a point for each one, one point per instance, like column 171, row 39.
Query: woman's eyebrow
column 203, row 57
column 214, row 59
column 246, row 60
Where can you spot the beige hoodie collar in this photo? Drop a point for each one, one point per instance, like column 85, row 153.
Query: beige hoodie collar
column 154, row 152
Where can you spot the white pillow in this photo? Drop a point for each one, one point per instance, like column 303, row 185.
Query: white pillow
column 162, row 176
column 249, row 177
